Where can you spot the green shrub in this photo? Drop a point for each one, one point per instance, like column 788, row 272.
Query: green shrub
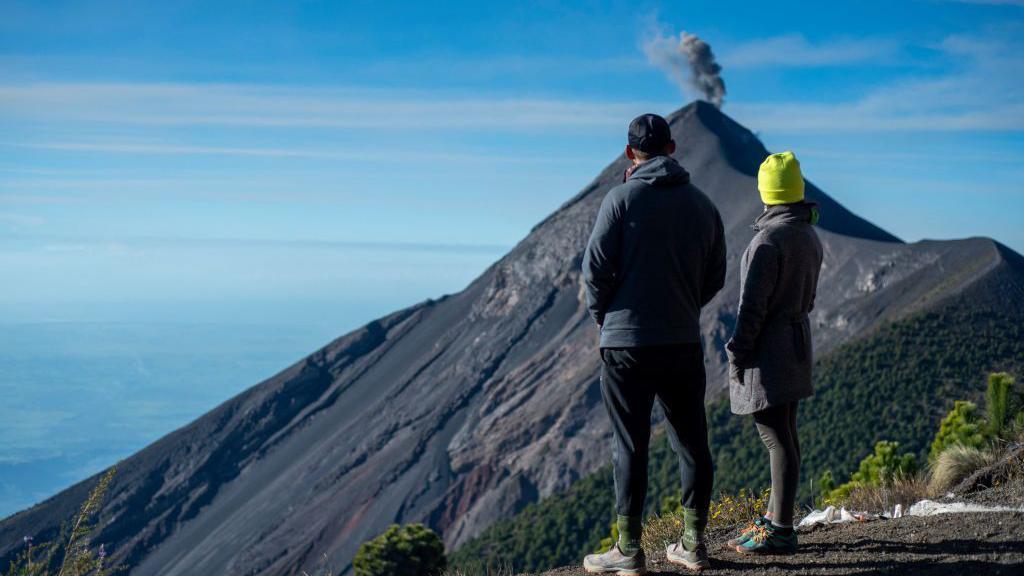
column 411, row 550
column 881, row 468
column 884, row 465
column 1003, row 403
column 610, row 540
column 827, row 483
column 961, row 427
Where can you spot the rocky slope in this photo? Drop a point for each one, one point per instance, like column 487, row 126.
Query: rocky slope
column 459, row 411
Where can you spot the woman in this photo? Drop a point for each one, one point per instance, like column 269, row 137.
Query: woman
column 770, row 350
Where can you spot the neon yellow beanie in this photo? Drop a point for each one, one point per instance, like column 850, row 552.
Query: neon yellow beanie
column 779, row 180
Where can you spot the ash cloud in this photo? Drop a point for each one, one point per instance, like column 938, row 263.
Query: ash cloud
column 690, row 62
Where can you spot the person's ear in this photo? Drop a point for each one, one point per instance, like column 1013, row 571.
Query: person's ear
column 629, row 153
column 670, row 148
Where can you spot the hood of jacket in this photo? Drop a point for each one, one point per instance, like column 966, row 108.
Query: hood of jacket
column 788, row 214
column 660, row 171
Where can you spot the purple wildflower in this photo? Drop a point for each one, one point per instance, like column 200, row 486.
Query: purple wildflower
column 102, row 552
column 27, row 540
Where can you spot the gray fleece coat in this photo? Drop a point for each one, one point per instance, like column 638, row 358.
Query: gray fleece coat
column 770, row 352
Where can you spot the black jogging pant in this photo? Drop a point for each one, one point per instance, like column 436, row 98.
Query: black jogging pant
column 631, row 380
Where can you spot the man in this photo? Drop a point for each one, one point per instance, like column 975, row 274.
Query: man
column 655, row 257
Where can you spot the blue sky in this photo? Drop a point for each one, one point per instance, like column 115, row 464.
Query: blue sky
column 289, row 160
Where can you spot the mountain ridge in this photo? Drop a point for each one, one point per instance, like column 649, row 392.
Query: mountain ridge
column 459, row 411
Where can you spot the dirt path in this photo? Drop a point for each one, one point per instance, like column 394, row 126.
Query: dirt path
column 952, row 544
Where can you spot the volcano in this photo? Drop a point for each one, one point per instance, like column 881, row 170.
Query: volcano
column 459, row 411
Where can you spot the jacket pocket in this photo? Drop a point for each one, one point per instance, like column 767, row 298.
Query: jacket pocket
column 800, row 335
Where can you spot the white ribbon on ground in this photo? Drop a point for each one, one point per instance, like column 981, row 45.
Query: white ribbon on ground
column 831, row 515
column 931, row 508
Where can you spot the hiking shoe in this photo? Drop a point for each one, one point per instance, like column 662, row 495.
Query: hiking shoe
column 694, row 560
column 747, row 532
column 769, row 539
column 615, row 562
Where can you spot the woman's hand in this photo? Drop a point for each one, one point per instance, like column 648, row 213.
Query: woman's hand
column 735, row 373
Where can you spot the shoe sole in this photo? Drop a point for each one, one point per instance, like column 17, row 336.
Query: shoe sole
column 695, row 566
column 765, row 551
column 616, row 571
column 637, row 572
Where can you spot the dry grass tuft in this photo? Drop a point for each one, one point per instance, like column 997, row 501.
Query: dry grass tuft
column 660, row 531
column 482, row 571
column 955, row 464
column 732, row 511
column 727, row 512
column 905, row 491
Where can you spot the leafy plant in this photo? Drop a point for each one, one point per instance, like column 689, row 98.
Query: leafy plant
column 961, row 427
column 881, row 468
column 410, row 550
column 610, row 540
column 1002, row 403
column 826, row 484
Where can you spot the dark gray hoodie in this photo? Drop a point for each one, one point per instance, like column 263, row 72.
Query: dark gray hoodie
column 655, row 257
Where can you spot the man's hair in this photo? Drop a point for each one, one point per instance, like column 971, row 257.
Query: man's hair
column 644, row 156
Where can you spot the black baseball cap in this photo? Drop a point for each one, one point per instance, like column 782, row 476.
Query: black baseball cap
column 649, row 133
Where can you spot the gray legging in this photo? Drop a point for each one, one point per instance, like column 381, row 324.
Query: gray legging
column 777, row 427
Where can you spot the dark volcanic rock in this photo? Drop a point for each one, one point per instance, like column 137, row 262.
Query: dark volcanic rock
column 459, row 411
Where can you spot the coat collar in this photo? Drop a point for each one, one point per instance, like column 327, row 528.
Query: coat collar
column 787, row 214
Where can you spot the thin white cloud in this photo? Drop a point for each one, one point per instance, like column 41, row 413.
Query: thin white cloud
column 37, row 199
column 795, row 51
column 17, row 221
column 357, row 155
column 65, row 247
column 297, row 107
column 139, row 244
column 984, row 91
column 863, row 116
column 992, row 2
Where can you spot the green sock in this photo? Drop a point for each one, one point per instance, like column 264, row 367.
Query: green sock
column 693, row 528
column 629, row 528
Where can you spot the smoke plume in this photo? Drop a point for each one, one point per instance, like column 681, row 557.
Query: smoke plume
column 690, row 62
